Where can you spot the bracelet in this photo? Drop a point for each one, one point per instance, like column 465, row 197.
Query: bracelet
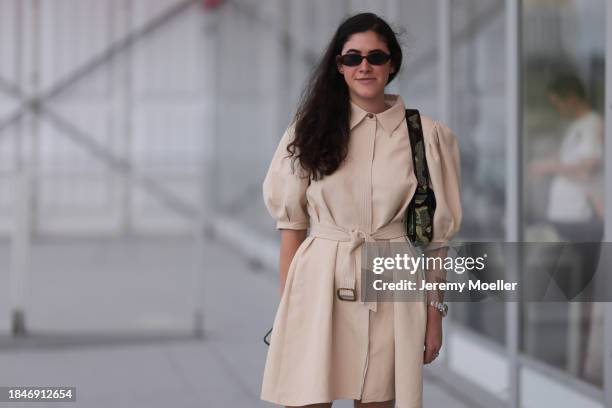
column 441, row 307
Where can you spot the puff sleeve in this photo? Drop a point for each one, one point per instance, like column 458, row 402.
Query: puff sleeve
column 442, row 152
column 284, row 188
column 445, row 173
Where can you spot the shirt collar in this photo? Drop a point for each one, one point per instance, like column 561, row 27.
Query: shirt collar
column 390, row 119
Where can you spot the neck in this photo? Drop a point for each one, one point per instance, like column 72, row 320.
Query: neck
column 581, row 110
column 374, row 105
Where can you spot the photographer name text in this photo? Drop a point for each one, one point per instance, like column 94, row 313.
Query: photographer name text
column 404, row 284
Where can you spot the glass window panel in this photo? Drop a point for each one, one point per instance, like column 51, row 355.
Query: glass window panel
column 478, row 108
column 563, row 86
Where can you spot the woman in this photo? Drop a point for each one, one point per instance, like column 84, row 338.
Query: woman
column 344, row 169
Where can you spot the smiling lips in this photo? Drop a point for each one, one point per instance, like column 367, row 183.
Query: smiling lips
column 365, row 79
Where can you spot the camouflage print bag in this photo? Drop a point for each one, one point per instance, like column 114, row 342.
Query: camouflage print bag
column 420, row 212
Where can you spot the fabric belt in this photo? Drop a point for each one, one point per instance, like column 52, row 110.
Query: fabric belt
column 346, row 287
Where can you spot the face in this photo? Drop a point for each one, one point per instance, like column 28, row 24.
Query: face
column 562, row 105
column 366, row 81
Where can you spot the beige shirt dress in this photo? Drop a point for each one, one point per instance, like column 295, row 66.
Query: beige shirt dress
column 323, row 348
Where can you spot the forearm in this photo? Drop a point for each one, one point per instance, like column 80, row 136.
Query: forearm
column 290, row 242
column 580, row 170
column 435, row 273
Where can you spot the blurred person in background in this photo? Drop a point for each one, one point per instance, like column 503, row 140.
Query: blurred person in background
column 344, row 169
column 575, row 206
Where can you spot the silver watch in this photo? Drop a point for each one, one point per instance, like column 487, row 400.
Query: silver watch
column 441, row 307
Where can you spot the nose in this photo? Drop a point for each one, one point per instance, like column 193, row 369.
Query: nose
column 365, row 65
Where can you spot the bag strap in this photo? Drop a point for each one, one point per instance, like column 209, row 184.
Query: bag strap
column 417, row 144
column 419, row 216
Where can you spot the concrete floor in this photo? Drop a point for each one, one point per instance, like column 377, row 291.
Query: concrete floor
column 114, row 318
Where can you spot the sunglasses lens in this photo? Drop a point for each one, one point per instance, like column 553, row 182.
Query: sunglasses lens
column 375, row 58
column 378, row 58
column 351, row 60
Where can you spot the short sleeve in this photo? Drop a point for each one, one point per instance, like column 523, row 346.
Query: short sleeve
column 590, row 145
column 284, row 188
column 443, row 162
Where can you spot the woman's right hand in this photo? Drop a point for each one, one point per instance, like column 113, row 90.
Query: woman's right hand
column 433, row 335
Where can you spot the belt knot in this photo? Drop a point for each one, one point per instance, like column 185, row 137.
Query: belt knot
column 346, row 289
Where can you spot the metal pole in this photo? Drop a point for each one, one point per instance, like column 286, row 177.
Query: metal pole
column 284, row 88
column 444, row 60
column 16, row 312
column 127, row 179
column 513, row 183
column 444, row 94
column 208, row 163
column 392, row 10
column 607, row 340
column 24, row 185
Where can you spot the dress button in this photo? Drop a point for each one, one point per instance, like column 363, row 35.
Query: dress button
column 370, row 115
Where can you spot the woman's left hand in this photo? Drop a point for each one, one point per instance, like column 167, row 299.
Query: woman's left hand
column 433, row 335
column 543, row 167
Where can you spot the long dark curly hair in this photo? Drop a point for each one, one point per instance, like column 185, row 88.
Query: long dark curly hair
column 322, row 118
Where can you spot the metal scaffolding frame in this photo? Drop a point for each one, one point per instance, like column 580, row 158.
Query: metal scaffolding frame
column 37, row 105
column 34, row 105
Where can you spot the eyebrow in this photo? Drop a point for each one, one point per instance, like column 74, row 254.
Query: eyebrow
column 369, row 52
